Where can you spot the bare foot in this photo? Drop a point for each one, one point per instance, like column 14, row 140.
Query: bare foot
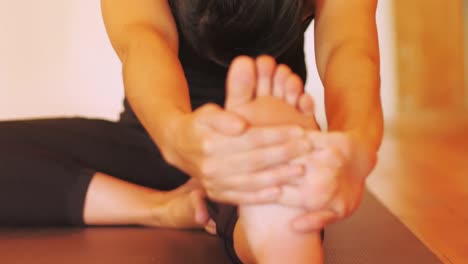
column 267, row 94
column 182, row 208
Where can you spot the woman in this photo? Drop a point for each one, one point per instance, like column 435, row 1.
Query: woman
column 175, row 57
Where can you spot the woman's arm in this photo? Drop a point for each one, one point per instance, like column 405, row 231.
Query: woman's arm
column 348, row 61
column 144, row 35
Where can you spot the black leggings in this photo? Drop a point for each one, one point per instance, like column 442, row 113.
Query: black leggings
column 46, row 167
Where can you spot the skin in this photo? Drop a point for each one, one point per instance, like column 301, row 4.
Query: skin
column 144, row 36
column 256, row 83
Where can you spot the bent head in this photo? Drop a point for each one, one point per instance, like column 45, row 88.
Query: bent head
column 220, row 30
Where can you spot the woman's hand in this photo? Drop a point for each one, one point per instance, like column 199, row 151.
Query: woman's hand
column 241, row 165
column 335, row 180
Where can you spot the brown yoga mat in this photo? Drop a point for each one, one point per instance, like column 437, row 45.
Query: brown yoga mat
column 371, row 236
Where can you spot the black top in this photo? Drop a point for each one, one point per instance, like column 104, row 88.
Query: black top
column 206, row 79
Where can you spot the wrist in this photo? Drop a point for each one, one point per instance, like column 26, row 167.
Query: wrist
column 367, row 148
column 173, row 137
column 368, row 138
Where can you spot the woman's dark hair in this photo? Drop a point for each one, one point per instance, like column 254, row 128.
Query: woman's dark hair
column 220, row 30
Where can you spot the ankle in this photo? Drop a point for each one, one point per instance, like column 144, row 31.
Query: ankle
column 151, row 210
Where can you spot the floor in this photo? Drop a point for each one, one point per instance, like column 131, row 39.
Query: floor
column 422, row 177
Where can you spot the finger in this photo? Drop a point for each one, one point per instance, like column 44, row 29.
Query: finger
column 264, row 158
column 273, row 177
column 221, row 121
column 324, row 140
column 329, row 157
column 291, row 196
column 319, row 185
column 294, row 197
column 314, row 221
column 258, row 137
column 265, row 196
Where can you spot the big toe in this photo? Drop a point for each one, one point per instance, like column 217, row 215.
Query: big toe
column 241, row 82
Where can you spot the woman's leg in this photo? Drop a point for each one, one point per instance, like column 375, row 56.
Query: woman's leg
column 263, row 233
column 48, row 176
column 111, row 201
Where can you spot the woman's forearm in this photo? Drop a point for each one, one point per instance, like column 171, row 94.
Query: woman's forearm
column 348, row 61
column 352, row 95
column 144, row 35
column 155, row 84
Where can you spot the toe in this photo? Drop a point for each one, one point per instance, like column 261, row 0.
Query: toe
column 199, row 205
column 265, row 69
column 241, row 82
column 306, row 104
column 211, row 227
column 282, row 73
column 293, row 89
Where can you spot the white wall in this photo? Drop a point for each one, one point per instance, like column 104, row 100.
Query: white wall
column 55, row 60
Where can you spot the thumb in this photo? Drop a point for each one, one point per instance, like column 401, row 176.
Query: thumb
column 222, row 121
column 314, row 221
